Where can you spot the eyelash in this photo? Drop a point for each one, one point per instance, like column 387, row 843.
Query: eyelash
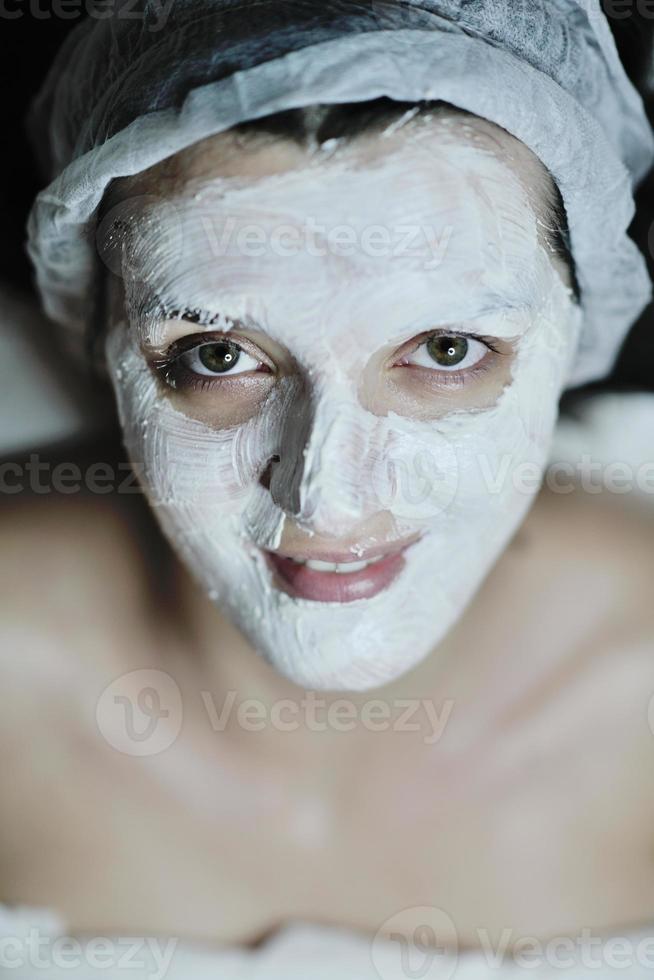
column 452, row 378
column 176, row 375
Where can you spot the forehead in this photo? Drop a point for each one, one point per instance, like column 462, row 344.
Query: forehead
column 259, row 155
column 470, row 194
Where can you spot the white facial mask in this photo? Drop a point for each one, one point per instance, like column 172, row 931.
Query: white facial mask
column 462, row 482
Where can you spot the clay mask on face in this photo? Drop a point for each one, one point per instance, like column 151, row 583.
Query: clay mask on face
column 342, row 441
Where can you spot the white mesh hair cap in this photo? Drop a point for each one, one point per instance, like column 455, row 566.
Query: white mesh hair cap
column 153, row 77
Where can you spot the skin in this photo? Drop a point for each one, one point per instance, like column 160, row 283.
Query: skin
column 296, row 454
column 532, row 811
column 544, row 772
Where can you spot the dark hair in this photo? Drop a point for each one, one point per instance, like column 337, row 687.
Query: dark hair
column 633, row 32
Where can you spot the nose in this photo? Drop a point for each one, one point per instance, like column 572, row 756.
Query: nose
column 322, row 474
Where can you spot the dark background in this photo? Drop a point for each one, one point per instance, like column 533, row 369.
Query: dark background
column 28, row 44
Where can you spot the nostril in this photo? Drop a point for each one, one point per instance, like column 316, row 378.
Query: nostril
column 266, row 475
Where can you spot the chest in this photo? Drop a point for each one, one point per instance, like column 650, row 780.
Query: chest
column 539, row 826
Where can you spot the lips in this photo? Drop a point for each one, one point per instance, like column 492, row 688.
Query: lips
column 337, row 578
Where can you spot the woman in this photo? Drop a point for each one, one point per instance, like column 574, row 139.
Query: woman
column 338, row 338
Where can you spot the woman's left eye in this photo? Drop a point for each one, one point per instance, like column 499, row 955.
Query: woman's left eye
column 217, row 358
column 447, row 352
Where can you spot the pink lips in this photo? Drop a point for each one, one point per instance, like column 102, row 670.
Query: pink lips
column 325, row 586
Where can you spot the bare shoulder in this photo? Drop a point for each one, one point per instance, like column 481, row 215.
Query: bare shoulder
column 47, row 539
column 75, row 569
column 618, row 528
column 596, row 549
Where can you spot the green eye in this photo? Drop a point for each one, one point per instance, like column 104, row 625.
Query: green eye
column 448, row 351
column 219, row 357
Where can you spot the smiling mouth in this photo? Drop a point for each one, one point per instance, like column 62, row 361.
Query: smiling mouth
column 337, row 578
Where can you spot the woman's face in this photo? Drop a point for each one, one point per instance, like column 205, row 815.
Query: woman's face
column 338, row 374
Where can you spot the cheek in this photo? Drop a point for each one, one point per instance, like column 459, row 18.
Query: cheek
column 184, row 463
column 502, row 453
column 471, row 474
column 204, row 484
column 430, row 394
column 226, row 404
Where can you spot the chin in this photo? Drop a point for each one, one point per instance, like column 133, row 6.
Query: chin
column 356, row 677
column 356, row 645
column 333, row 663
column 353, row 646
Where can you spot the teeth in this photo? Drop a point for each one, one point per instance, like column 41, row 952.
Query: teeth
column 353, row 566
column 321, row 566
column 340, row 568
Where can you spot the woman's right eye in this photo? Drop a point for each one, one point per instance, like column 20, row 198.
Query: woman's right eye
column 221, row 357
column 200, row 362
